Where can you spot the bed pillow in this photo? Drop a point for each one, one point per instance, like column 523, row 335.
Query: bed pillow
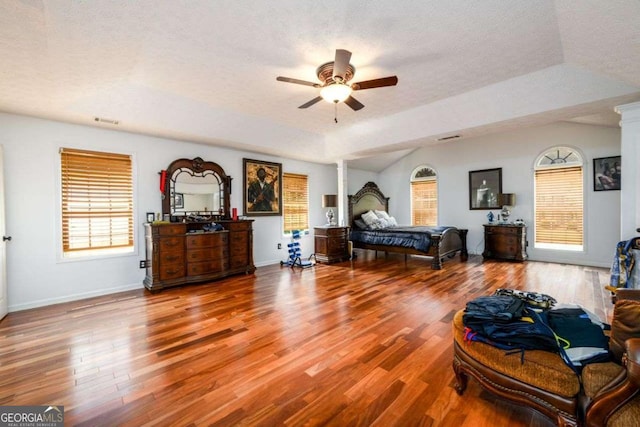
column 371, row 219
column 382, row 215
column 392, row 222
column 360, row 224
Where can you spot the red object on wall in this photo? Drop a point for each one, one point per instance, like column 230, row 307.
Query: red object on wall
column 163, row 180
column 234, row 213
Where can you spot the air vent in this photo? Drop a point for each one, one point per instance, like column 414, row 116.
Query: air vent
column 106, row 121
column 444, row 138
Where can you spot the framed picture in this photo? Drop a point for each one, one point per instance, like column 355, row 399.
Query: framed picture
column 606, row 173
column 150, row 216
column 484, row 187
column 178, row 201
column 262, row 188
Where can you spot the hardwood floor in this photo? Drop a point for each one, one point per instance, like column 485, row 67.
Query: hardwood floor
column 363, row 342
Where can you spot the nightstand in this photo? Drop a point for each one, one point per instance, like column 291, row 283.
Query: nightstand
column 331, row 243
column 505, row 241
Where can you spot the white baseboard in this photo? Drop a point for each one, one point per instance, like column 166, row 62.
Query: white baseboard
column 74, row 297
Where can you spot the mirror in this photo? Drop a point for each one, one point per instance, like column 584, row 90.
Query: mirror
column 195, row 189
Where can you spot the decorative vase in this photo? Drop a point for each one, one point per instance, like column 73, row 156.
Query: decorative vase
column 490, row 217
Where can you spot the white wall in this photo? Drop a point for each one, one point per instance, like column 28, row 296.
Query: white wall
column 37, row 277
column 357, row 178
column 630, row 197
column 515, row 152
column 35, row 274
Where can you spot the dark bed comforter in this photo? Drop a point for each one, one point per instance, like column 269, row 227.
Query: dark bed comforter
column 417, row 237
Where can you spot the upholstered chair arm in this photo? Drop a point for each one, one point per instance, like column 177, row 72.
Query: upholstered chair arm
column 619, row 391
column 627, row 293
column 632, row 360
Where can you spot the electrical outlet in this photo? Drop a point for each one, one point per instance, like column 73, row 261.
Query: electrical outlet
column 143, row 263
column 279, row 245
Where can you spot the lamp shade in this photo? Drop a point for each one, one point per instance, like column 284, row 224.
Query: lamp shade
column 329, row 201
column 506, row 199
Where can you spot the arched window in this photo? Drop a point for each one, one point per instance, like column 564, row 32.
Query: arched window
column 559, row 195
column 424, row 196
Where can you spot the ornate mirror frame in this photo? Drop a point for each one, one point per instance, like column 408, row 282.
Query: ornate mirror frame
column 197, row 167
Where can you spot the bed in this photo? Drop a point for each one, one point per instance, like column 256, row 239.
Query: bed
column 436, row 242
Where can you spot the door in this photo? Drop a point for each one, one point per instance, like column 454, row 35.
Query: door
column 3, row 244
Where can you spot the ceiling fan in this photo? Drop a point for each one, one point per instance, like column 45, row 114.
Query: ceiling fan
column 335, row 76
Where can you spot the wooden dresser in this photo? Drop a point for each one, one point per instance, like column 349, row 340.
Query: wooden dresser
column 331, row 243
column 505, row 241
column 181, row 253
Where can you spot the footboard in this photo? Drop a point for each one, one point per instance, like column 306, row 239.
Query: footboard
column 447, row 244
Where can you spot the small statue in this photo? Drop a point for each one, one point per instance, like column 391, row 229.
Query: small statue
column 490, row 217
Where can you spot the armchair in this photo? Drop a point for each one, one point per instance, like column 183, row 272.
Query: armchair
column 611, row 395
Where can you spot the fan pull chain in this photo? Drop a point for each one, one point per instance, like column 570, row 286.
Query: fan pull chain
column 335, row 112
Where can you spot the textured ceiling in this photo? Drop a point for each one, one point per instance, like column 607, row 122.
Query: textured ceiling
column 205, row 71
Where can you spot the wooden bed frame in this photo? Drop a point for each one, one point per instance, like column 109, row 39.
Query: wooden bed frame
column 445, row 244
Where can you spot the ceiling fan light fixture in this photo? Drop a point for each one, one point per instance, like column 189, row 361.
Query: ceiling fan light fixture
column 335, row 92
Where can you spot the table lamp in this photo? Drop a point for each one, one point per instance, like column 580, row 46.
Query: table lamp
column 330, row 201
column 507, row 201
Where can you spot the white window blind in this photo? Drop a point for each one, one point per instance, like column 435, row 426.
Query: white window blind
column 295, row 199
column 97, row 200
column 559, row 206
column 424, row 202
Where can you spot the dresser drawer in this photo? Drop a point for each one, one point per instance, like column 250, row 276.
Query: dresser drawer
column 171, row 257
column 207, row 267
column 238, row 249
column 504, row 230
column 169, row 230
column 171, row 271
column 239, row 261
column 337, row 245
column 239, row 238
column 337, row 232
column 196, row 241
column 169, row 244
column 206, row 254
column 237, row 225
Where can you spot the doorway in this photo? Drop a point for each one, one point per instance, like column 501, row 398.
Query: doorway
column 3, row 244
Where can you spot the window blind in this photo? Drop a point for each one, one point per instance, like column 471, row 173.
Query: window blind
column 559, row 206
column 97, row 200
column 424, row 202
column 295, row 202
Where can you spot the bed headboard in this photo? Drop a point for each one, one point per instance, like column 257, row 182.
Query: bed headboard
column 367, row 198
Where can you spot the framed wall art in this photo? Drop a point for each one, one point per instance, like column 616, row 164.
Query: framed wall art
column 262, row 188
column 606, row 173
column 484, row 187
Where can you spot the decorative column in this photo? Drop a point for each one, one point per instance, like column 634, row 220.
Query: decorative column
column 342, row 192
column 630, row 181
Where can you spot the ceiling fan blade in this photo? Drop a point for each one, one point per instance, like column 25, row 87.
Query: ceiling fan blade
column 341, row 63
column 370, row 84
column 310, row 103
column 354, row 103
column 296, row 81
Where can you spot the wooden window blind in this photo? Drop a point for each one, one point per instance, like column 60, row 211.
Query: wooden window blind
column 559, row 206
column 97, row 200
column 295, row 200
column 424, row 202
